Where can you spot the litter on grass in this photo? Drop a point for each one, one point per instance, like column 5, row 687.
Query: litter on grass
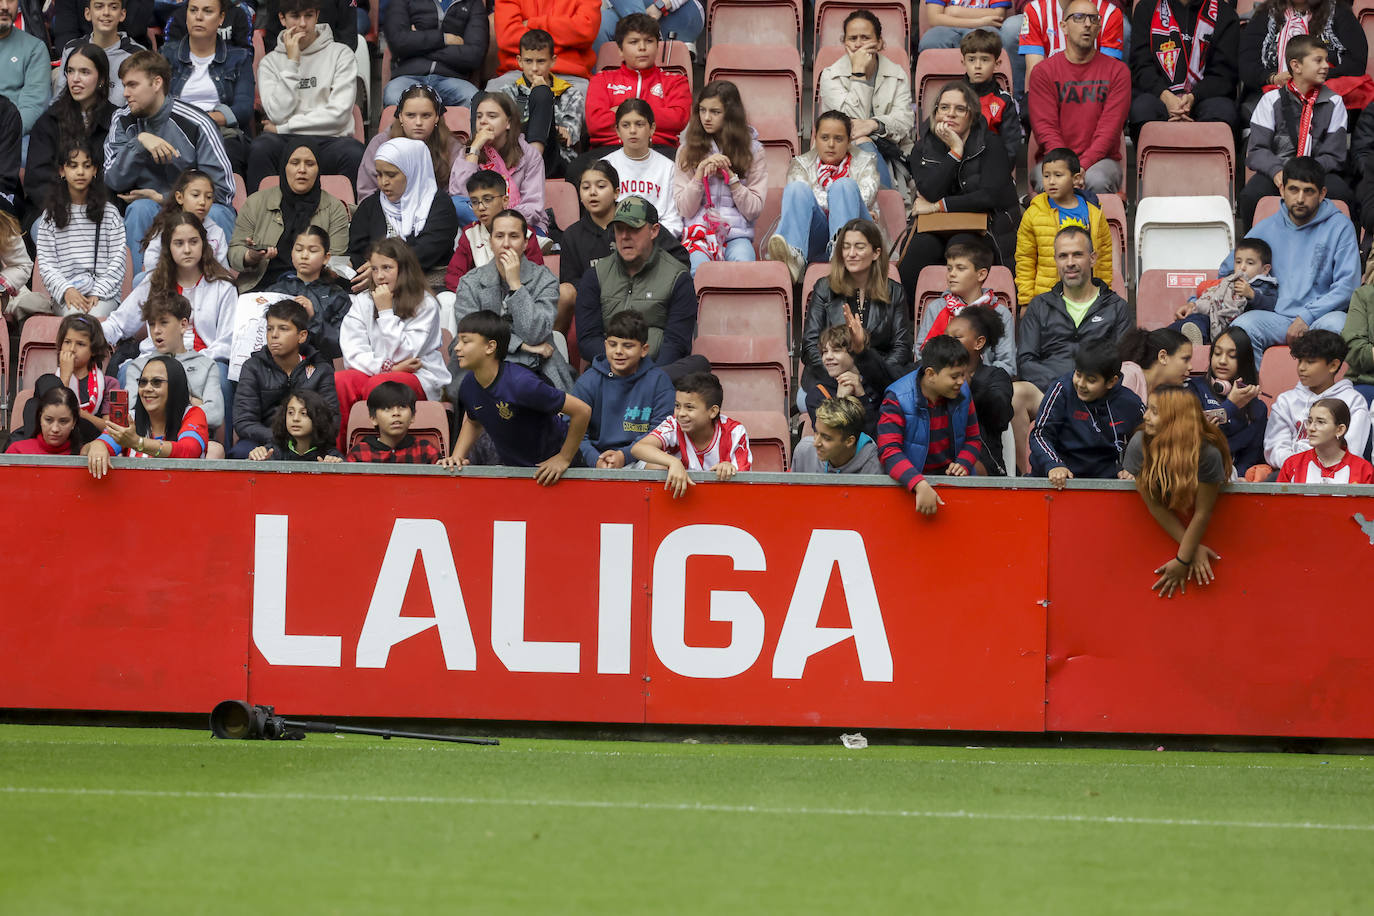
column 855, row 741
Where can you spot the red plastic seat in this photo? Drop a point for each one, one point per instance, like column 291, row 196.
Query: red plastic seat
column 746, row 298
column 673, row 57
column 780, row 145
column 359, row 125
column 769, row 437
column 240, row 193
column 259, row 52
column 824, row 57
column 769, row 77
column 21, row 398
column 1114, row 212
column 1278, row 372
column 1184, row 159
column 895, row 15
column 37, row 348
column 937, row 66
column 4, row 360
column 1033, row 150
column 762, row 22
column 1159, row 293
column 891, row 213
column 431, row 422
column 1364, row 12
column 768, row 217
column 753, row 370
column 561, row 197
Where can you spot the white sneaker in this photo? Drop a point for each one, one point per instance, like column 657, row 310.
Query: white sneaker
column 779, row 250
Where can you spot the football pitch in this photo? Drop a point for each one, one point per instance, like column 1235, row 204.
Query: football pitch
column 118, row 820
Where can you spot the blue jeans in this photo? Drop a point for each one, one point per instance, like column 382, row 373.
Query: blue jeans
column 456, row 93
column 1011, row 43
column 945, row 36
column 1268, row 329
column 807, row 227
column 884, row 170
column 685, row 22
column 141, row 213
column 463, row 204
column 735, row 250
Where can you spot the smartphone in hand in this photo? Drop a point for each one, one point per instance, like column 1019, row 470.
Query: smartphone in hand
column 119, row 407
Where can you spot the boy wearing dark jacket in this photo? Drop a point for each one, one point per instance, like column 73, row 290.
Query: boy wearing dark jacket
column 440, row 46
column 286, row 364
column 628, row 394
column 1086, row 420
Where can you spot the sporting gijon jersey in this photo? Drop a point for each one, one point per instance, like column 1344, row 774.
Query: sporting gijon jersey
column 1305, row 468
column 730, row 443
column 1040, row 32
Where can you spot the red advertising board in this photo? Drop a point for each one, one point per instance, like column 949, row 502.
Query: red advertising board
column 759, row 602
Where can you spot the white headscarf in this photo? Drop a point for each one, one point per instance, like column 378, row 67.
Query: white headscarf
column 407, row 216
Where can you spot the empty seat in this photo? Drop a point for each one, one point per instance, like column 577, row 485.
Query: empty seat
column 769, row 437
column 745, row 298
column 431, row 422
column 673, row 56
column 1114, row 212
column 1159, row 293
column 891, row 213
column 561, row 198
column 752, row 370
column 937, row 66
column 826, row 56
column 780, row 144
column 768, row 218
column 37, row 348
column 895, row 15
column 1185, row 159
column 769, row 77
column 760, row 22
column 1278, row 372
column 1183, row 233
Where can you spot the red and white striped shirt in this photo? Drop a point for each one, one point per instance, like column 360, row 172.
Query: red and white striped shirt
column 1305, row 468
column 730, row 443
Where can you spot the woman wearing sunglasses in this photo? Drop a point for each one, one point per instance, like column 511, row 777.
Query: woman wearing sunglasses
column 166, row 423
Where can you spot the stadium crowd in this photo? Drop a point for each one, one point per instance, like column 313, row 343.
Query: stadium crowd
column 262, row 303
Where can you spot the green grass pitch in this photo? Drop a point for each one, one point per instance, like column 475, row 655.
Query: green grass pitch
column 108, row 820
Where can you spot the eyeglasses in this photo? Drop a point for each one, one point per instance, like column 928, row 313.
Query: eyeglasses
column 952, row 109
column 151, row 382
column 1081, row 18
column 485, row 201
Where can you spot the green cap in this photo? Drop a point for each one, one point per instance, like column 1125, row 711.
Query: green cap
column 634, row 212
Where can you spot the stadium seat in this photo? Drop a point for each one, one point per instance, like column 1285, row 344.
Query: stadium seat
column 337, row 185
column 891, row 213
column 769, row 77
column 1185, row 159
column 1159, row 293
column 386, row 62
column 753, row 370
column 933, row 281
column 1268, row 206
column 748, row 298
column 780, row 144
column 240, row 193
column 24, row 396
column 828, row 55
column 359, row 126
column 761, row 22
column 37, row 348
column 895, row 15
column 768, row 218
column 769, row 437
column 561, row 197
column 431, row 422
column 1364, row 12
column 937, row 66
column 1278, row 372
column 259, row 52
column 673, row 57
column 1183, row 233
column 1114, row 212
column 128, row 285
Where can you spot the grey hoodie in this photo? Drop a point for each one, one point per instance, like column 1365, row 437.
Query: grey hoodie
column 531, row 309
column 865, row 460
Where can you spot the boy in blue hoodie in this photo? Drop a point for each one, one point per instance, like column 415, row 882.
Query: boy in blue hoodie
column 1315, row 254
column 628, row 394
column 1085, row 421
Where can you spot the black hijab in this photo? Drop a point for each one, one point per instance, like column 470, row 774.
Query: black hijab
column 297, row 211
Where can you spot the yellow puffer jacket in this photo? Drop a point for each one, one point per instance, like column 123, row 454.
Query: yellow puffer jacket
column 1035, row 270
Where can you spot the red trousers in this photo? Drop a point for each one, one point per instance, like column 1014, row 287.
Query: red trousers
column 353, row 386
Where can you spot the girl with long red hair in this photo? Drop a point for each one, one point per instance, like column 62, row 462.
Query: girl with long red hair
column 1179, row 462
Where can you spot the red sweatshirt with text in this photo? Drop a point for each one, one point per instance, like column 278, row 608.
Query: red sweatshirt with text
column 1080, row 106
column 667, row 94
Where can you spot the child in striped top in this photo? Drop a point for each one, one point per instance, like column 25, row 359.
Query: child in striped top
column 80, row 239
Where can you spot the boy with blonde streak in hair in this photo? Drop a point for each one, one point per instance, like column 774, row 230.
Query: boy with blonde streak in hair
column 840, row 445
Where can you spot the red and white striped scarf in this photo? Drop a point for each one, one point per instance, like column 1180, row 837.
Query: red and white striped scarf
column 825, row 174
column 1170, row 50
column 1309, row 105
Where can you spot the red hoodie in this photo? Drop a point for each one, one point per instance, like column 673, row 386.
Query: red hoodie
column 667, row 94
column 572, row 23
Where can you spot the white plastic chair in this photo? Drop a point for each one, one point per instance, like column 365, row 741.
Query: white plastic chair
column 1183, row 233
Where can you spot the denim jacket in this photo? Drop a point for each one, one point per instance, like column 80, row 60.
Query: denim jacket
column 231, row 72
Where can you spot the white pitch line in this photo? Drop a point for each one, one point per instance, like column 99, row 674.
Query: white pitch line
column 686, row 807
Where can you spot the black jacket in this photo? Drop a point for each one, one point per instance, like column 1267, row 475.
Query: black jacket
column 1348, row 60
column 263, row 387
column 980, row 182
column 433, row 246
column 331, row 301
column 415, row 34
column 890, row 335
column 991, row 390
column 1220, row 70
column 1047, row 339
column 340, row 15
column 325, row 449
column 11, row 130
column 69, row 22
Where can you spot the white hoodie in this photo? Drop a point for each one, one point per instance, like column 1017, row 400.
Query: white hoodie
column 314, row 96
column 373, row 340
column 652, row 179
column 1286, row 434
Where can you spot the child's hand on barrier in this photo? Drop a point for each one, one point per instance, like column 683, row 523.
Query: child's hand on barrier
column 611, row 459
column 1173, row 575
column 1200, row 570
column 678, row 480
column 549, row 471
column 261, row 453
column 1124, row 475
column 330, row 459
column 1059, row 477
column 453, row 463
column 725, row 470
column 927, row 500
column 956, row 469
